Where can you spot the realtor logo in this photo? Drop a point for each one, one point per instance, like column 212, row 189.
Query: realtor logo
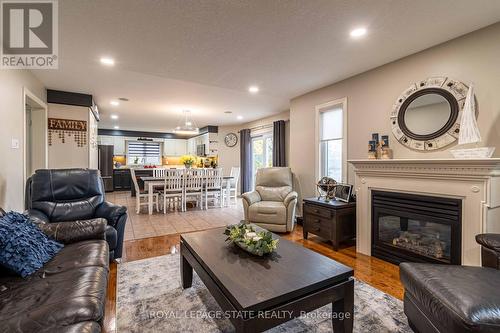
column 29, row 34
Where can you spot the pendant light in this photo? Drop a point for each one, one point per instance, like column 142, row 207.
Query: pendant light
column 186, row 125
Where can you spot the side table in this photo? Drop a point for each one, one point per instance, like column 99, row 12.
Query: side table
column 334, row 220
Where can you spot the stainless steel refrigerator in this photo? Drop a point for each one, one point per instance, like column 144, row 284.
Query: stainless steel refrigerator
column 105, row 160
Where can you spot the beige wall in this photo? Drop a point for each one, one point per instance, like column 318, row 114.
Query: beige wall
column 12, row 83
column 38, row 140
column 229, row 157
column 370, row 96
column 68, row 154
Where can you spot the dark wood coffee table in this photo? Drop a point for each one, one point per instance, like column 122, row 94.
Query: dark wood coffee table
column 258, row 293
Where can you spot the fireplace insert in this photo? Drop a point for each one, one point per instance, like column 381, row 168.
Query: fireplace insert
column 416, row 228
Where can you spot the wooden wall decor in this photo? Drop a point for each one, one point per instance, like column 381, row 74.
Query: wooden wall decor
column 63, row 128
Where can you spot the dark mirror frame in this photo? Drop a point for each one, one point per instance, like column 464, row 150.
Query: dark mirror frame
column 449, row 124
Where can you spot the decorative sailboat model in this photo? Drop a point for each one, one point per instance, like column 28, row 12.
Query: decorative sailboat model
column 469, row 132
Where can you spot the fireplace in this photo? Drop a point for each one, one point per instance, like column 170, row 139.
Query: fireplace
column 417, row 228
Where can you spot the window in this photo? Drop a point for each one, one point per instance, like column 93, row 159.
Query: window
column 262, row 153
column 331, row 140
column 140, row 152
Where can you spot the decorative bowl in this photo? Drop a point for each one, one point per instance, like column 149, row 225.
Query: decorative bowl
column 246, row 237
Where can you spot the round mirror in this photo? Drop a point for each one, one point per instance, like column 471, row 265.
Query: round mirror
column 427, row 114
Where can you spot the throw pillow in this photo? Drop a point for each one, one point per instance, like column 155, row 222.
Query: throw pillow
column 23, row 247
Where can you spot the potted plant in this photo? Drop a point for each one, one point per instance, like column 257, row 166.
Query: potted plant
column 188, row 161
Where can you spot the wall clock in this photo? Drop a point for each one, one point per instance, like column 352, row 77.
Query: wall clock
column 231, row 139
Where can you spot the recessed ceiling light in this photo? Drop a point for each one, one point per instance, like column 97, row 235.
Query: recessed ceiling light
column 253, row 89
column 107, row 61
column 116, row 127
column 114, row 103
column 358, row 32
column 114, row 116
column 239, row 117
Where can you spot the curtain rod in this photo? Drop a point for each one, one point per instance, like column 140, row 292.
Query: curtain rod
column 255, row 128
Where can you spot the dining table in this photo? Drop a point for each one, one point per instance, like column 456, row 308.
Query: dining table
column 151, row 182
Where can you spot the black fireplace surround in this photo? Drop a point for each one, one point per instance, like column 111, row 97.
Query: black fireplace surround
column 416, row 228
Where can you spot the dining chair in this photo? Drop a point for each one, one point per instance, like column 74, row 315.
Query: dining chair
column 213, row 186
column 173, row 188
column 142, row 194
column 159, row 172
column 193, row 186
column 233, row 185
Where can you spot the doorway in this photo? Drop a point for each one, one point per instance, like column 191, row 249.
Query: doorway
column 35, row 134
column 262, row 153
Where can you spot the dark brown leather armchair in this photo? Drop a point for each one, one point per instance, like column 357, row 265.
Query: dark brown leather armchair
column 68, row 195
column 447, row 298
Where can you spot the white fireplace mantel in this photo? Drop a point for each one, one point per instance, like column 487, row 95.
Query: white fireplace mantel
column 476, row 182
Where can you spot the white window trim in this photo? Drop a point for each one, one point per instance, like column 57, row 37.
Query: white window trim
column 317, row 157
column 28, row 94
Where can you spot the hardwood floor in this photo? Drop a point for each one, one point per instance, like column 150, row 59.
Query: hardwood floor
column 378, row 273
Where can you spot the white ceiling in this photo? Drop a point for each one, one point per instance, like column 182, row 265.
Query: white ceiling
column 202, row 55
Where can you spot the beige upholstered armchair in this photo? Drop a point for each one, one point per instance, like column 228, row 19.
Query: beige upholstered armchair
column 272, row 204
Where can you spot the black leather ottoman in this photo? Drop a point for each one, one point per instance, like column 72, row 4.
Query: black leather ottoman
column 441, row 298
column 445, row 298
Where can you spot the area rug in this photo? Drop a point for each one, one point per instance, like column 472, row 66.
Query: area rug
column 150, row 299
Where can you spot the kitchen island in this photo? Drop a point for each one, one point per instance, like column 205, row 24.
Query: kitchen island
column 123, row 181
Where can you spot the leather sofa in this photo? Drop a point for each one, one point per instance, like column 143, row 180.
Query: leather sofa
column 272, row 205
column 68, row 293
column 65, row 195
column 446, row 298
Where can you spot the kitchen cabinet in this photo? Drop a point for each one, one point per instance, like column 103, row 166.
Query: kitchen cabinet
column 191, row 146
column 169, row 147
column 122, row 180
column 106, row 140
column 180, row 147
column 212, row 148
column 210, row 140
column 203, row 140
column 174, row 147
column 119, row 143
